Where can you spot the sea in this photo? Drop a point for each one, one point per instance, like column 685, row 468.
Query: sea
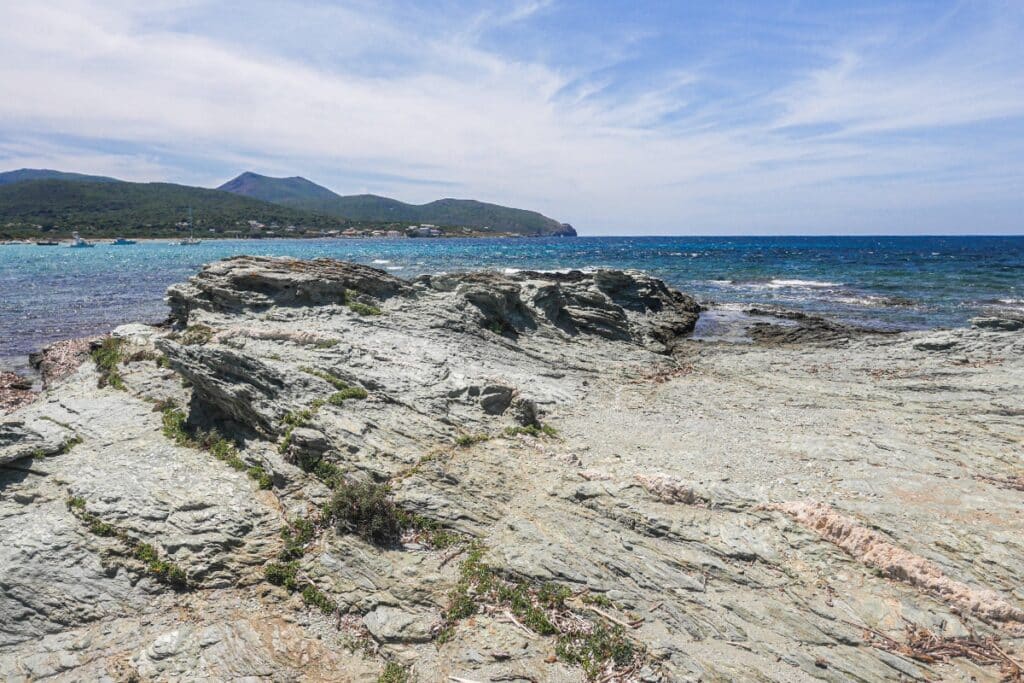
column 53, row 293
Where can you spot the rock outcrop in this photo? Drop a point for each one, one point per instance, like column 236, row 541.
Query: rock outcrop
column 321, row 469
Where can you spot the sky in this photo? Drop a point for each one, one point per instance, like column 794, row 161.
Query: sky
column 643, row 117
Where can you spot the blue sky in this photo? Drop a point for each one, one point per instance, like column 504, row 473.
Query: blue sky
column 621, row 118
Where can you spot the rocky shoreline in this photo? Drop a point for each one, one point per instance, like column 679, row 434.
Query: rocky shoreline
column 319, row 471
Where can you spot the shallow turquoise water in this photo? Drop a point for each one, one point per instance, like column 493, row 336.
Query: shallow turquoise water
column 50, row 293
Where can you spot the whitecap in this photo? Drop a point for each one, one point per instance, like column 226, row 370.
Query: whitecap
column 381, row 260
column 801, row 283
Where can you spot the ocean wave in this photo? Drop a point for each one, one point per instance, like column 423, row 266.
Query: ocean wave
column 775, row 283
column 873, row 300
column 802, row 283
column 380, row 260
column 394, row 268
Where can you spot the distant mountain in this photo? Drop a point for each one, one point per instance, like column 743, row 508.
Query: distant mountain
column 302, row 194
column 23, row 174
column 290, row 191
column 141, row 208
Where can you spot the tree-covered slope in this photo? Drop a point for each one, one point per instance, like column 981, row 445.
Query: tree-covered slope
column 303, row 194
column 23, row 174
column 128, row 207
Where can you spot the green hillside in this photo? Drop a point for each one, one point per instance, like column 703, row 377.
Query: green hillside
column 151, row 209
column 302, row 194
column 23, row 174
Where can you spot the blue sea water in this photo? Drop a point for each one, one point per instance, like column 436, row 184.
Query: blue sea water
column 51, row 293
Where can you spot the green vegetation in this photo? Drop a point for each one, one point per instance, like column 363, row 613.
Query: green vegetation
column 302, row 194
column 593, row 646
column 466, row 440
column 594, row 649
column 286, row 572
column 428, row 531
column 365, row 509
column 532, row 430
column 282, row 574
column 393, row 673
column 49, row 203
column 23, row 174
column 195, row 335
column 337, row 398
column 161, row 569
column 296, row 535
column 298, row 418
column 326, row 343
column 69, row 444
column 175, row 428
column 107, row 357
column 314, row 597
column 138, row 210
column 336, row 382
column 479, row 583
column 364, row 309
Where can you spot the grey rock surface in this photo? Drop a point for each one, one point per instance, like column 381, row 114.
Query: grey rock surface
column 749, row 511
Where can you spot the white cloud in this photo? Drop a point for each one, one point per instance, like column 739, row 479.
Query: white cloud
column 128, row 75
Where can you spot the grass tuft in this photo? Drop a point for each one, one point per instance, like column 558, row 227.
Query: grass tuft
column 593, row 650
column 339, row 397
column 466, row 440
column 364, row 309
column 393, row 673
column 195, row 335
column 108, row 357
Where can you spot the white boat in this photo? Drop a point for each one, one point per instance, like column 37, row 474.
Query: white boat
column 78, row 243
column 191, row 239
column 121, row 242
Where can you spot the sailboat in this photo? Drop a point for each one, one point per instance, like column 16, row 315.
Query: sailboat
column 78, row 243
column 191, row 239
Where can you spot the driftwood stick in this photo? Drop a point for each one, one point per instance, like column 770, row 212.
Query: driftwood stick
column 620, row 622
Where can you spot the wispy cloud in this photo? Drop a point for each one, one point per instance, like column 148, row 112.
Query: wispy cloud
column 853, row 129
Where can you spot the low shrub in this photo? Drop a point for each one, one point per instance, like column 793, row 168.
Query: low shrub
column 282, row 574
column 366, row 509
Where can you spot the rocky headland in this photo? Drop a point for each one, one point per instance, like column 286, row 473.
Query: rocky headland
column 318, row 471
